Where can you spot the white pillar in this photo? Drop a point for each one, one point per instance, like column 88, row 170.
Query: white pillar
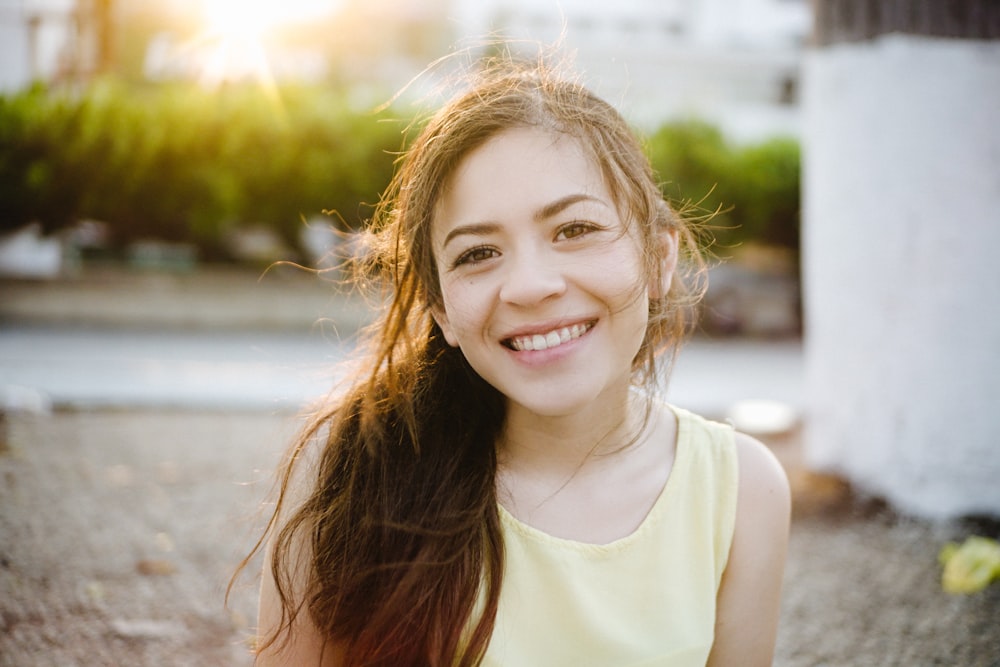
column 901, row 257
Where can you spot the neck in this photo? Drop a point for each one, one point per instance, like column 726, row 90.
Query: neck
column 567, row 443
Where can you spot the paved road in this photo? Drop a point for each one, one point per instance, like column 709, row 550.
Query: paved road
column 186, row 369
column 201, row 369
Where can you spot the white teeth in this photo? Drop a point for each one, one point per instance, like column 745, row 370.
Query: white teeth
column 553, row 338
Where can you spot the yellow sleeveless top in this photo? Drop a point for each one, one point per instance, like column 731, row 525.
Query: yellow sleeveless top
column 647, row 599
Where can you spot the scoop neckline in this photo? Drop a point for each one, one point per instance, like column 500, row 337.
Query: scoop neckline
column 680, row 460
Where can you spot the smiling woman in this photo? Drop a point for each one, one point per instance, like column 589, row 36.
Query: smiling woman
column 498, row 483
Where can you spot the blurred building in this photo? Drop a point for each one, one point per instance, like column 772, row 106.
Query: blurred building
column 55, row 41
column 732, row 62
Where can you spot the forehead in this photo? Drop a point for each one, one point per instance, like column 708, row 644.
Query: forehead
column 517, row 172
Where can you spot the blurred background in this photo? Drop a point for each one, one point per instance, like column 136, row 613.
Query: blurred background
column 180, row 132
column 152, row 150
column 162, row 165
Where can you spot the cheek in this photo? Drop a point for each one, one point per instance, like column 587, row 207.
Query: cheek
column 620, row 270
column 462, row 308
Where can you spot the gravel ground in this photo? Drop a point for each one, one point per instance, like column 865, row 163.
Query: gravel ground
column 119, row 530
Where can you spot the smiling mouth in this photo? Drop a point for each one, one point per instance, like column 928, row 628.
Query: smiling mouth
column 554, row 338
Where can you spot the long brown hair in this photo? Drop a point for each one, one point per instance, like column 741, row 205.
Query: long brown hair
column 404, row 546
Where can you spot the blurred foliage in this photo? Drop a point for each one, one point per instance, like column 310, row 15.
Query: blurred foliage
column 180, row 163
column 176, row 162
column 755, row 188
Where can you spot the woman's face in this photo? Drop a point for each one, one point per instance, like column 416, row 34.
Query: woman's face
column 542, row 285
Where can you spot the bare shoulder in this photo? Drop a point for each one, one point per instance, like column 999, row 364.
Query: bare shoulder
column 763, row 482
column 749, row 597
column 763, row 507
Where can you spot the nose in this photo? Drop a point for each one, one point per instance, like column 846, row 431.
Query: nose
column 531, row 278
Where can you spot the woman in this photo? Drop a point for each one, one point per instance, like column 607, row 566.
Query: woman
column 500, row 485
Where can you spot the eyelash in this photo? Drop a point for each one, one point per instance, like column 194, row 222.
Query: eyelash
column 579, row 225
column 469, row 256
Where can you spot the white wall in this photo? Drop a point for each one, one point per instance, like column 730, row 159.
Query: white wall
column 28, row 54
column 15, row 65
column 902, row 270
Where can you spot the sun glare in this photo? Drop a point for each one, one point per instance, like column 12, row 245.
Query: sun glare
column 253, row 18
column 232, row 19
column 238, row 31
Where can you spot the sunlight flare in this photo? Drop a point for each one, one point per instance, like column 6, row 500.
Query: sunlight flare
column 234, row 41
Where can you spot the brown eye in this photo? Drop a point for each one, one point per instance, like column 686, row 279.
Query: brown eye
column 574, row 230
column 475, row 255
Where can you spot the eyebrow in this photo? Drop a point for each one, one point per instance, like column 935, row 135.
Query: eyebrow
column 560, row 205
column 544, row 213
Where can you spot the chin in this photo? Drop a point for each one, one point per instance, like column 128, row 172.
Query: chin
column 563, row 406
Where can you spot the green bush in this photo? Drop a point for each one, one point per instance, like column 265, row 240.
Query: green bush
column 755, row 188
column 34, row 185
column 179, row 163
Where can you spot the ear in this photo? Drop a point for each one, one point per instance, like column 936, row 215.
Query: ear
column 666, row 246
column 441, row 319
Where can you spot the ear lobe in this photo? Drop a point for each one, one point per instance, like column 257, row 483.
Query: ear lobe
column 667, row 247
column 441, row 319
